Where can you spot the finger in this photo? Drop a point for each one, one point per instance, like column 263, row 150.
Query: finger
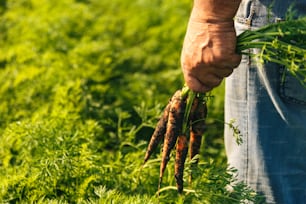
column 228, row 62
column 232, row 62
column 217, row 72
column 212, row 76
column 210, row 80
column 196, row 85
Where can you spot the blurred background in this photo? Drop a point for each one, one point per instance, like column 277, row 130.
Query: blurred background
column 83, row 83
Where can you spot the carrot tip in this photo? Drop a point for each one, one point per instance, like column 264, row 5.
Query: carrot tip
column 159, row 184
column 179, row 183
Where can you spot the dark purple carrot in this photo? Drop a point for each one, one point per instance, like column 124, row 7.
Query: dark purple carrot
column 195, row 144
column 197, row 128
column 174, row 129
column 180, row 157
column 158, row 133
column 193, row 108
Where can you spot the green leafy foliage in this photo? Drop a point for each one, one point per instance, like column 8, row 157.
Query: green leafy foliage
column 282, row 43
column 83, row 83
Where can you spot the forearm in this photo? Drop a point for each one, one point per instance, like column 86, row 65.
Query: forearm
column 214, row 10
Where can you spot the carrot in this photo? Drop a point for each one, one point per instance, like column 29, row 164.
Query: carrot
column 174, row 129
column 180, row 157
column 197, row 128
column 170, row 129
column 158, row 133
column 193, row 108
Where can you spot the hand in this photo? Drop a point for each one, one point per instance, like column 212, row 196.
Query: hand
column 208, row 53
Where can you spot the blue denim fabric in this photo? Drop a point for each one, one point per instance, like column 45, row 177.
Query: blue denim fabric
column 271, row 115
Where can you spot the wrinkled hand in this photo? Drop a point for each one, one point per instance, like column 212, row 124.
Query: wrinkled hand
column 208, row 53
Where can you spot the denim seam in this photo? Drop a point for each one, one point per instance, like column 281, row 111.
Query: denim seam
column 253, row 17
column 247, row 20
column 247, row 123
column 250, row 17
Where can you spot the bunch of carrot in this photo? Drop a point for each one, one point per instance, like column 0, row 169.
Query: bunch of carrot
column 175, row 126
column 184, row 116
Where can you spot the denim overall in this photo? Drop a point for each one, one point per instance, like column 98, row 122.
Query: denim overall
column 270, row 112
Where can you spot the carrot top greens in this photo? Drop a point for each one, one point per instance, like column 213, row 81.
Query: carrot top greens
column 283, row 43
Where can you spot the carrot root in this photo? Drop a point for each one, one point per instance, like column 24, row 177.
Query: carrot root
column 198, row 127
column 180, row 157
column 158, row 133
column 170, row 129
column 174, row 128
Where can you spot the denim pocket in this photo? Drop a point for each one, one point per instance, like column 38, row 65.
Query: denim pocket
column 291, row 89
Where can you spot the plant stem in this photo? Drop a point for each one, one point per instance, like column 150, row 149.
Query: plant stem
column 186, row 92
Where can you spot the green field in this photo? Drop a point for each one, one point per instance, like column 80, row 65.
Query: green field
column 83, row 83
